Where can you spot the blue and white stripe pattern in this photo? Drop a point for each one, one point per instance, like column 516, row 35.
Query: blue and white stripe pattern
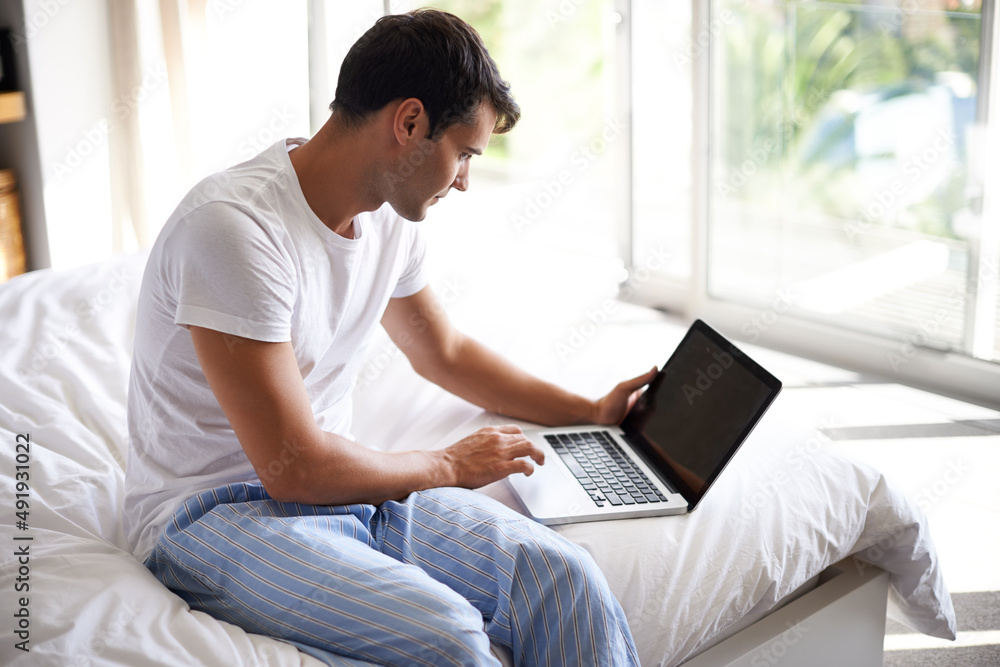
column 403, row 583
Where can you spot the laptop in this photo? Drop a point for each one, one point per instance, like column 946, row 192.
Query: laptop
column 670, row 448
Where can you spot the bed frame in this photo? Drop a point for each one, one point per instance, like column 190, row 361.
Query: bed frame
column 839, row 622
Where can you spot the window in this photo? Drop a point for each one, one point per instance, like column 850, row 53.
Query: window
column 843, row 171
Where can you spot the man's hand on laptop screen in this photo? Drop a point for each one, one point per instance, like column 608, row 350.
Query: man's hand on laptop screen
column 612, row 408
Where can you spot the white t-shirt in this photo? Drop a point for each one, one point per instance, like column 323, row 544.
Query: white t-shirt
column 244, row 254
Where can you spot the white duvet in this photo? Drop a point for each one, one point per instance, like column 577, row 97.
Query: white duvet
column 73, row 595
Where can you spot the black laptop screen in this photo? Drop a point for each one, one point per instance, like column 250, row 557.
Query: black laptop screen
column 702, row 405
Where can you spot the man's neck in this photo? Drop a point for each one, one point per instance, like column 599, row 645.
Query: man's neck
column 333, row 171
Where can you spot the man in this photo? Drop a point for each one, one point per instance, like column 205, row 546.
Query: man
column 246, row 494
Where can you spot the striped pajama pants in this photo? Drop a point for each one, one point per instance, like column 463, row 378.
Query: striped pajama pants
column 427, row 581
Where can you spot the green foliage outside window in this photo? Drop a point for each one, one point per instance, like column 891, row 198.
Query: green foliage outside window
column 799, row 83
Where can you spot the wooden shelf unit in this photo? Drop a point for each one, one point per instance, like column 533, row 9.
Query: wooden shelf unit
column 11, row 107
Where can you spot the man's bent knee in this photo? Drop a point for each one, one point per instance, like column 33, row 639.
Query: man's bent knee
column 451, row 634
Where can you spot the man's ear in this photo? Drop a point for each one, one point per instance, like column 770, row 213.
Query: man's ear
column 410, row 122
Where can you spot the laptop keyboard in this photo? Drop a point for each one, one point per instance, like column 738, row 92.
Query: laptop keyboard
column 604, row 471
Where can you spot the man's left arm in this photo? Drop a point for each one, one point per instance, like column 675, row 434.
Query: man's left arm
column 463, row 366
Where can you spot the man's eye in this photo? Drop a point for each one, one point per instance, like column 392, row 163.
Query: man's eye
column 465, row 156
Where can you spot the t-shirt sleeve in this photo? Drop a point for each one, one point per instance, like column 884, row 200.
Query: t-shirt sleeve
column 414, row 276
column 231, row 276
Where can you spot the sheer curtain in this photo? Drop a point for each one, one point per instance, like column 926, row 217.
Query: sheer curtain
column 197, row 86
column 128, row 209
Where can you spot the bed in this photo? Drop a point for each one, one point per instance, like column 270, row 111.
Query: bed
column 792, row 550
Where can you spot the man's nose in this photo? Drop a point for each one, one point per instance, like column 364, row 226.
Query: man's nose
column 461, row 181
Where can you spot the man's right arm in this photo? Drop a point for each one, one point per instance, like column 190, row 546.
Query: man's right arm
column 261, row 392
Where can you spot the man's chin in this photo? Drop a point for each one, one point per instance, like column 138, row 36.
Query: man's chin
column 411, row 214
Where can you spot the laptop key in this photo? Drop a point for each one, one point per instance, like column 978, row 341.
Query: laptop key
column 574, row 467
column 613, row 498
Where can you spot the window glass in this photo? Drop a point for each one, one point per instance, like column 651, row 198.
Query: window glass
column 842, row 180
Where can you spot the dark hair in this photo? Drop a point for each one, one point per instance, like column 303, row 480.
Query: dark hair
column 428, row 54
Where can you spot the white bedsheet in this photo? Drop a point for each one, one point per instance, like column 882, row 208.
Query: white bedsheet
column 783, row 511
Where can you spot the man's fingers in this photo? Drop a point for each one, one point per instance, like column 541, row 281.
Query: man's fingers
column 526, row 447
column 520, row 445
column 640, row 381
column 645, row 378
column 522, row 466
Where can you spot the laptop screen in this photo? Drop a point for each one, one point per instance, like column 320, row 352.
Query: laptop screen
column 698, row 410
